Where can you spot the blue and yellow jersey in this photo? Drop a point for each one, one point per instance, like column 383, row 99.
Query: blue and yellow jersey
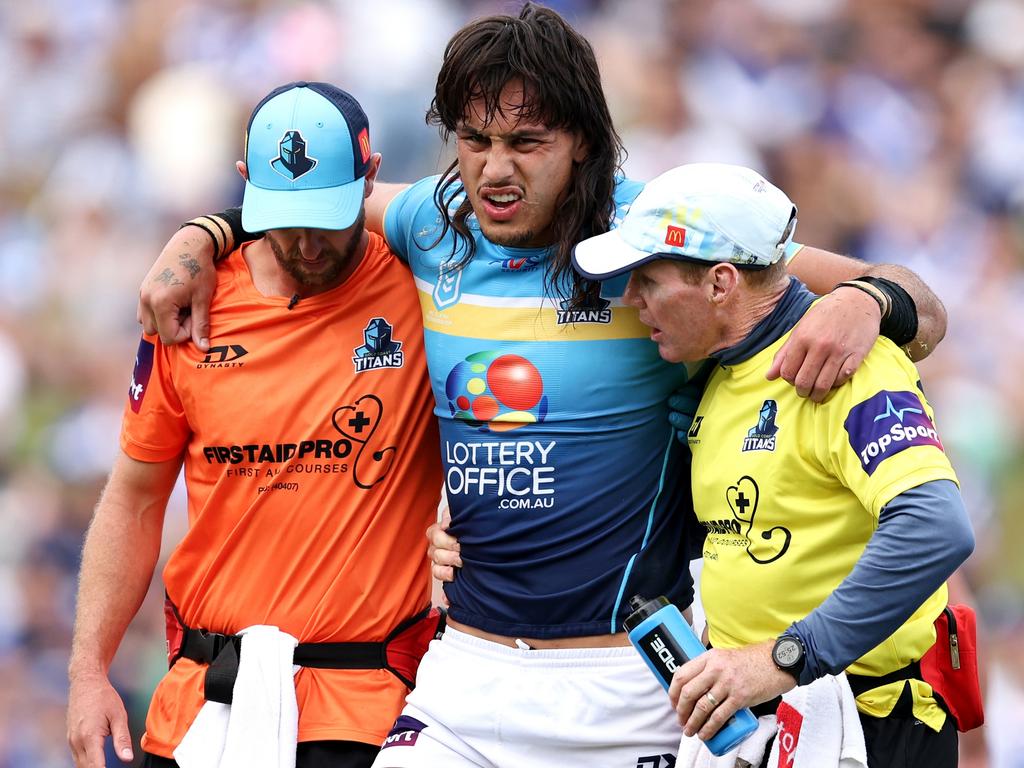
column 566, row 486
column 790, row 492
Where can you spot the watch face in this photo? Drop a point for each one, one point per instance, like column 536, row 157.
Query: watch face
column 787, row 652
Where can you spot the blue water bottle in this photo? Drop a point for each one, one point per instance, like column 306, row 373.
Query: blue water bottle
column 658, row 630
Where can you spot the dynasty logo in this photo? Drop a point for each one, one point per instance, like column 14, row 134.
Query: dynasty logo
column 224, row 356
column 379, row 350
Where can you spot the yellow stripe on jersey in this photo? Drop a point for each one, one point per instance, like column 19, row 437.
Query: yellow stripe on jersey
column 515, row 322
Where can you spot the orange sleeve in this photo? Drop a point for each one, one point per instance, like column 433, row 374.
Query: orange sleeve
column 154, row 427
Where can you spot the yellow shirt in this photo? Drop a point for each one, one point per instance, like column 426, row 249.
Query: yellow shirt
column 790, row 492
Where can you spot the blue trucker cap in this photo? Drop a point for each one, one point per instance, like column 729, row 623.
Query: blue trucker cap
column 307, row 148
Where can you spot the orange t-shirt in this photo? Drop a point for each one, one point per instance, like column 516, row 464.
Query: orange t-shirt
column 311, row 460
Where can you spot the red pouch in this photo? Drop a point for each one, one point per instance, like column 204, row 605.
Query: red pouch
column 951, row 666
column 406, row 645
column 174, row 630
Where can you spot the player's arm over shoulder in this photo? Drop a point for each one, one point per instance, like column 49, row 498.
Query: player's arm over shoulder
column 822, row 271
column 377, row 204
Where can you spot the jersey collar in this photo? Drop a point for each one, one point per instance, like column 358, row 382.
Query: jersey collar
column 791, row 307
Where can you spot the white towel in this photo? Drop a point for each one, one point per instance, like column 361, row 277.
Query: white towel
column 260, row 726
column 693, row 753
column 817, row 726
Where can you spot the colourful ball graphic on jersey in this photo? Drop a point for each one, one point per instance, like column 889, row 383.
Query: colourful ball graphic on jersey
column 496, row 391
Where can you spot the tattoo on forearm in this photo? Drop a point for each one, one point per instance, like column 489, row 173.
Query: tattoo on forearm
column 168, row 278
column 189, row 262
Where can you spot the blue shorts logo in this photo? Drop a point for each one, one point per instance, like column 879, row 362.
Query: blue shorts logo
column 379, row 349
column 886, row 424
column 404, row 732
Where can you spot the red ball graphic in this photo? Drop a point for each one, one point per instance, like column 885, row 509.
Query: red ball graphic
column 485, row 408
column 515, row 382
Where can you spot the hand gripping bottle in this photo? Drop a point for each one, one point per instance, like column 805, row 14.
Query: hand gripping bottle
column 658, row 630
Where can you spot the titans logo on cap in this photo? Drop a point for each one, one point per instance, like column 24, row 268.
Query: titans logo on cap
column 291, row 161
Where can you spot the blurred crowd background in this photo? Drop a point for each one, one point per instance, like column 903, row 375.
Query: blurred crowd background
column 896, row 125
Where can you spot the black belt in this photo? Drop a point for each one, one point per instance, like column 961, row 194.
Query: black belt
column 863, row 683
column 221, row 653
column 858, row 684
column 205, row 647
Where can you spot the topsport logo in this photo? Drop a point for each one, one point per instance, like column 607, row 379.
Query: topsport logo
column 886, row 424
column 140, row 375
column 404, row 732
column 496, row 392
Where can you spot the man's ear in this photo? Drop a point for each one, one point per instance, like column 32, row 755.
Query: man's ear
column 243, row 171
column 371, row 174
column 722, row 280
column 581, row 150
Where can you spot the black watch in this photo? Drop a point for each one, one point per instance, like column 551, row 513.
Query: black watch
column 789, row 655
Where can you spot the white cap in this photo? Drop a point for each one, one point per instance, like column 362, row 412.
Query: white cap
column 703, row 213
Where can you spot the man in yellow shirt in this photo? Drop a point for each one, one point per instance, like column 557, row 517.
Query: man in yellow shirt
column 832, row 527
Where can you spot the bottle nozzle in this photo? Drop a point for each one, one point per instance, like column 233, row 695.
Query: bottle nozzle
column 641, row 608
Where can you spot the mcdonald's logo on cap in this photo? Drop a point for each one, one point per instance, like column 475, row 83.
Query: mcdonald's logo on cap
column 675, row 236
column 364, row 144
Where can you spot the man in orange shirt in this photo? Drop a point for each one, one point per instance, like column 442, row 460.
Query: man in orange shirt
column 309, row 484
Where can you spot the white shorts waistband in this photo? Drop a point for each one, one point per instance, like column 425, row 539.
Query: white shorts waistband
column 568, row 657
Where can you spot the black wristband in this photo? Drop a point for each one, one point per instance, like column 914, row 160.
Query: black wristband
column 870, row 290
column 207, row 230
column 233, row 218
column 223, row 242
column 900, row 324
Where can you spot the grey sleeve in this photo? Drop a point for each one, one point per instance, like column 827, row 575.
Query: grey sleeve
column 923, row 536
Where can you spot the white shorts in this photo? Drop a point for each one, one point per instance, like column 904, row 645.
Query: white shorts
column 482, row 704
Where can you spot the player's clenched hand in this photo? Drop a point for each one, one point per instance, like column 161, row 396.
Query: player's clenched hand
column 682, row 408
column 828, row 344
column 174, row 299
column 443, row 551
column 95, row 711
column 735, row 678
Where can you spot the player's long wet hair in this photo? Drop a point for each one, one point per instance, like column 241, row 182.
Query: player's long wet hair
column 558, row 70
